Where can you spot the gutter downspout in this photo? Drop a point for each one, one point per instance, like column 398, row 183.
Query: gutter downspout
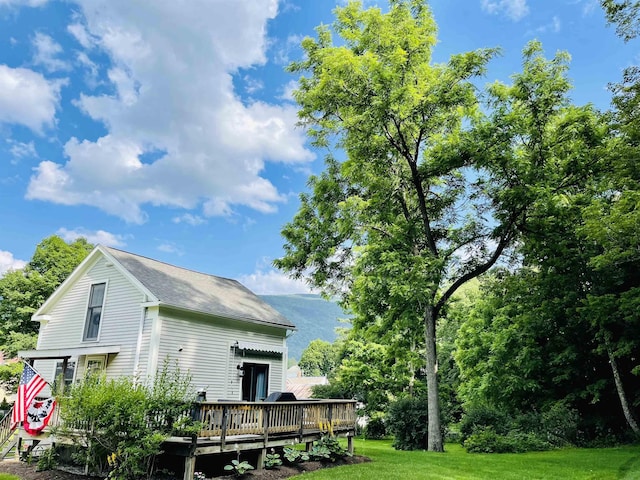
column 136, row 361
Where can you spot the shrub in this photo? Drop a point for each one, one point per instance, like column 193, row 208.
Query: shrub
column 560, row 424
column 407, row 421
column 486, row 440
column 48, row 460
column 123, row 423
column 375, row 428
column 479, row 417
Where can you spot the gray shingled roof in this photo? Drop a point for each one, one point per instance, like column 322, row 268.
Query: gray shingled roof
column 199, row 292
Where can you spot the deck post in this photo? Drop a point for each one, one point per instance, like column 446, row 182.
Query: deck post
column 223, row 432
column 265, row 423
column 262, row 455
column 189, row 467
column 18, row 446
column 301, row 413
column 350, row 444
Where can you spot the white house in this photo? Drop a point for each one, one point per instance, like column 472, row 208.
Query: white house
column 125, row 314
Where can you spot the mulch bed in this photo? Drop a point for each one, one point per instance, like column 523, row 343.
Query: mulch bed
column 28, row 472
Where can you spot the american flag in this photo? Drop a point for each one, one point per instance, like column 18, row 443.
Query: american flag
column 31, row 384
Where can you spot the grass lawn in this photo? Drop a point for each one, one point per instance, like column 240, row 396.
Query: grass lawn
column 620, row 463
column 6, row 476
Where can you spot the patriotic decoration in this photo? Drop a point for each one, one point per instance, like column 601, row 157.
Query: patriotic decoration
column 30, row 385
column 38, row 415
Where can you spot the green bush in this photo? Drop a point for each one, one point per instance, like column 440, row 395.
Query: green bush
column 407, row 421
column 486, row 440
column 121, row 423
column 375, row 428
column 560, row 424
column 479, row 417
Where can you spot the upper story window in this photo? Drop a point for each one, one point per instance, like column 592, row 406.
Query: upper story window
column 94, row 311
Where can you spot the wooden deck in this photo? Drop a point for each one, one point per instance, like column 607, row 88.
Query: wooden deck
column 258, row 426
column 246, row 427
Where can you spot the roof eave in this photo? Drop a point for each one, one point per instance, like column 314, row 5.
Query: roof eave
column 287, row 326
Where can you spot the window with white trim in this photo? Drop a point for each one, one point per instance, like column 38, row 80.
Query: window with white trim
column 94, row 311
column 68, row 374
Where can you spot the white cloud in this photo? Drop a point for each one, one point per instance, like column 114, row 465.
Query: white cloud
column 27, row 98
column 284, row 49
column 189, row 219
column 589, row 6
column 553, row 26
column 46, row 53
column 79, row 32
column 172, row 69
column 97, row 237
column 91, row 69
column 287, row 91
column 8, row 262
column 21, row 150
column 272, row 282
column 170, row 248
column 252, row 85
column 514, row 9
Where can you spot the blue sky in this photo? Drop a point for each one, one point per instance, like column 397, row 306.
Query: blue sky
column 167, row 129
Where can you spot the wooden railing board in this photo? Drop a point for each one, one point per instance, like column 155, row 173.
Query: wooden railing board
column 224, row 419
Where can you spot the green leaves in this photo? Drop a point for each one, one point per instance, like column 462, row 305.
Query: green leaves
column 127, row 420
column 23, row 291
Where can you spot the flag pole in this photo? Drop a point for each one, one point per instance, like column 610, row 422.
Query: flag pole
column 33, row 368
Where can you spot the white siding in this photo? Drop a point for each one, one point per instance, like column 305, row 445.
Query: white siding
column 119, row 324
column 204, row 348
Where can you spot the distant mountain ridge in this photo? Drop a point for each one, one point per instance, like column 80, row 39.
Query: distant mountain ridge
column 314, row 316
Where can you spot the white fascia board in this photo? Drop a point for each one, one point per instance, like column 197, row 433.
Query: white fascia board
column 64, row 286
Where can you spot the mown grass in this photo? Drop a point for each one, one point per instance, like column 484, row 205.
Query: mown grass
column 6, row 476
column 620, row 463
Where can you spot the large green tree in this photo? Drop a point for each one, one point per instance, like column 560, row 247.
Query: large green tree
column 431, row 192
column 318, row 359
column 24, row 290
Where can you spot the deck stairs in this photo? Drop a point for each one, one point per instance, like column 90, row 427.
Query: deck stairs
column 8, row 436
column 9, row 440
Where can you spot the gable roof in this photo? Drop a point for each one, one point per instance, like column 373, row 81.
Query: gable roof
column 197, row 292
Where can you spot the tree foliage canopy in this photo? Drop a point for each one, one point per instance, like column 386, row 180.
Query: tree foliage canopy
column 433, row 189
column 24, row 290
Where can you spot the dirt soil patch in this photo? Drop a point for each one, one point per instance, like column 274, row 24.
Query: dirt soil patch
column 28, row 472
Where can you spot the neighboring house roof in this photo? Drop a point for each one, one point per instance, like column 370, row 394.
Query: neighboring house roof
column 301, row 387
column 198, row 292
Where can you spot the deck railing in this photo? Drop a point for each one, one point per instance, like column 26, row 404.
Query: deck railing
column 224, row 419
column 6, row 429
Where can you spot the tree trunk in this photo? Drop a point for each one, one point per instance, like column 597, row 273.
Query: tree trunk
column 619, row 387
column 434, row 438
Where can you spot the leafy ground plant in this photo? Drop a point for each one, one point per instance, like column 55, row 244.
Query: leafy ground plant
column 295, row 456
column 272, row 460
column 238, row 468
